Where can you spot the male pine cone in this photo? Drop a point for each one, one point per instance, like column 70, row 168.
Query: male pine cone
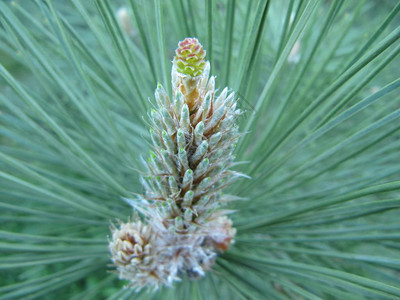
column 193, row 137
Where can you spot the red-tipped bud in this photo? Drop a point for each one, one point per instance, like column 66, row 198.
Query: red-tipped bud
column 189, row 58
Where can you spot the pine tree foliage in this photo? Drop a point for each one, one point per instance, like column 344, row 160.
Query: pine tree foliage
column 317, row 82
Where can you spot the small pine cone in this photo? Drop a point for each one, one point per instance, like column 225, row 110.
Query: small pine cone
column 189, row 71
column 189, row 58
column 132, row 253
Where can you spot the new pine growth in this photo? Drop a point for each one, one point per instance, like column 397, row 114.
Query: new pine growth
column 193, row 136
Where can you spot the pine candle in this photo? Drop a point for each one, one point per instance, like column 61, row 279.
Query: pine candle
column 193, row 136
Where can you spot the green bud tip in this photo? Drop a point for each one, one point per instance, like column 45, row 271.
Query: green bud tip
column 189, row 58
